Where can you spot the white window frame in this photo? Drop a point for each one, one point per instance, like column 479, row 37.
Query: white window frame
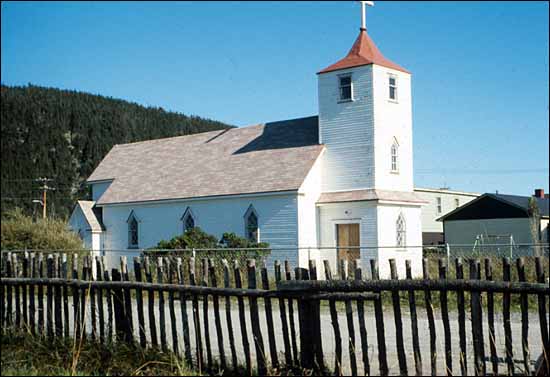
column 394, row 156
column 251, row 210
column 438, row 204
column 131, row 218
column 340, row 77
column 400, row 231
column 188, row 213
column 395, row 86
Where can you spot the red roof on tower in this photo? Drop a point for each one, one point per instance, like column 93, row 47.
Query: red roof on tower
column 363, row 52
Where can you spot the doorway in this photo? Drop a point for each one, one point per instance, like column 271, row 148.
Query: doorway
column 347, row 240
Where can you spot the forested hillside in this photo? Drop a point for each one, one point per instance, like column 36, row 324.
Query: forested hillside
column 62, row 135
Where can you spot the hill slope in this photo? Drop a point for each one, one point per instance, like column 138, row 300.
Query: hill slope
column 63, row 135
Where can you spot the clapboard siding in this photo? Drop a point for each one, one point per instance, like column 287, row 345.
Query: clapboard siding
column 429, row 210
column 347, row 129
column 78, row 224
column 309, row 193
column 98, row 189
column 392, row 120
column 277, row 215
column 465, row 231
column 363, row 213
column 387, row 215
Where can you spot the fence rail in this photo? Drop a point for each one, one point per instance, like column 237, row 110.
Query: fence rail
column 221, row 319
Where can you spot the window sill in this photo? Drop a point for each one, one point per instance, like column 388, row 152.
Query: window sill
column 133, row 247
column 345, row 100
column 393, row 101
column 396, row 172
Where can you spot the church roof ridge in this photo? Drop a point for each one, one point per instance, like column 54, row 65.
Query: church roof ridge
column 363, row 52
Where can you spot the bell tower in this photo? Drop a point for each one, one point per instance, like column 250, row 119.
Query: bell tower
column 365, row 120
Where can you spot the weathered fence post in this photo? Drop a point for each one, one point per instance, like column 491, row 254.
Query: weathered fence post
column 151, row 303
column 524, row 319
column 491, row 318
column 129, row 322
column 162, row 316
column 349, row 316
column 99, row 277
column 76, row 298
column 380, row 331
column 477, row 331
column 184, row 319
column 204, row 283
column 430, row 315
column 414, row 322
column 283, row 315
column 335, row 325
column 506, row 301
column 217, row 320
column 49, row 314
column 118, row 304
column 307, row 327
column 9, row 304
column 32, row 308
column 64, row 275
column 288, row 276
column 227, row 284
column 171, row 271
column 269, row 321
column 541, row 278
column 445, row 319
column 139, row 300
column 255, row 320
column 196, row 317
column 109, row 295
column 398, row 323
column 16, row 272
column 24, row 291
column 316, row 318
column 459, row 271
column 242, row 320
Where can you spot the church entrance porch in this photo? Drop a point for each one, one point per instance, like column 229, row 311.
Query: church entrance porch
column 348, row 242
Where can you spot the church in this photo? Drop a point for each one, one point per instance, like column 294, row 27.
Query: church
column 313, row 188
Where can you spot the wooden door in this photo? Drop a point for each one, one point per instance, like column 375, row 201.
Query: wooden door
column 347, row 235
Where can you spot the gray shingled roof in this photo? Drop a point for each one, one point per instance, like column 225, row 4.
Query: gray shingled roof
column 264, row 158
column 523, row 202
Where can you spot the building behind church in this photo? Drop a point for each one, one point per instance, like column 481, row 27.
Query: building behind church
column 315, row 187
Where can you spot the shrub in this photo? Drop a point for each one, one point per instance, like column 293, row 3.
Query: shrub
column 19, row 231
column 183, row 245
column 194, row 238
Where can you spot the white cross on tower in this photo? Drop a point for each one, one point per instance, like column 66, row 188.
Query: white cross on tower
column 364, row 13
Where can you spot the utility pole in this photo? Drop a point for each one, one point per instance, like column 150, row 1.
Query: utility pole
column 45, row 188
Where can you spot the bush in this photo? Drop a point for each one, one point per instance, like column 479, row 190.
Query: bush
column 194, row 238
column 19, row 231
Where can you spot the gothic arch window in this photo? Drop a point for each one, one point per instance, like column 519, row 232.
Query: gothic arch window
column 251, row 227
column 188, row 220
column 133, row 231
column 401, row 231
column 395, row 156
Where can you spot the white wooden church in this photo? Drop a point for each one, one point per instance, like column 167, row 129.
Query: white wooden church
column 310, row 187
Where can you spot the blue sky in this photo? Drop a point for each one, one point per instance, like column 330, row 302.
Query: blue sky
column 480, row 70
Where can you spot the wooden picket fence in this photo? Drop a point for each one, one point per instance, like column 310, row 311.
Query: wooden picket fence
column 104, row 309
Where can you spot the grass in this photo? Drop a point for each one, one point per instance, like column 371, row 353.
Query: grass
column 25, row 355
